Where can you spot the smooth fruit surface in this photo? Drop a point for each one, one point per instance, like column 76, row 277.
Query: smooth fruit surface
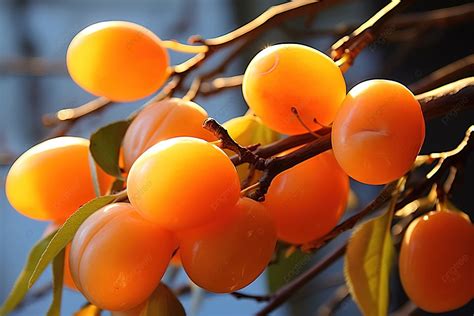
column 308, row 200
column 119, row 60
column 117, row 258
column 231, row 252
column 183, row 182
column 53, row 179
column 163, row 120
column 284, row 76
column 378, row 131
column 437, row 261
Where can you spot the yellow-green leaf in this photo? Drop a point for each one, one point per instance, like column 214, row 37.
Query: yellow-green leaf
column 66, row 232
column 58, row 276
column 249, row 129
column 105, row 147
column 20, row 288
column 367, row 265
column 163, row 302
column 88, row 310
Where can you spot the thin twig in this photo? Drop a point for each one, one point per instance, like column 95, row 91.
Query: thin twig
column 257, row 298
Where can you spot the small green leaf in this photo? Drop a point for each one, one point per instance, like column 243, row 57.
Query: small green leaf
column 163, row 302
column 20, row 288
column 367, row 264
column 286, row 268
column 58, row 276
column 105, row 146
column 66, row 233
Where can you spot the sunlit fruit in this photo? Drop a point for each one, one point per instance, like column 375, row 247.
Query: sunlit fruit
column 53, row 179
column 308, row 200
column 231, row 252
column 67, row 278
column 249, row 130
column 437, row 261
column 118, row 259
column 163, row 120
column 286, row 76
column 183, row 182
column 378, row 131
column 119, row 60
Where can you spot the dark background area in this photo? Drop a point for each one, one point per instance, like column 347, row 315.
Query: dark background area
column 33, row 81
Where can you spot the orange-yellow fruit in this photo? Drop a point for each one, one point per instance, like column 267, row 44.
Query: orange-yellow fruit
column 67, row 278
column 183, row 182
column 308, row 200
column 286, row 76
column 231, row 252
column 378, row 131
column 163, row 120
column 119, row 60
column 117, row 258
column 53, row 179
column 437, row 261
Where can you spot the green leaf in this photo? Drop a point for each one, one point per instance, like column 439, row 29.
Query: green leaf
column 20, row 288
column 58, row 276
column 367, row 265
column 163, row 302
column 66, row 233
column 105, row 147
column 286, row 268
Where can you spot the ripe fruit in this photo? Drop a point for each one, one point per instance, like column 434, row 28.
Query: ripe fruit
column 308, row 200
column 436, row 261
column 183, row 182
column 249, row 130
column 117, row 258
column 53, row 179
column 119, row 60
column 284, row 76
column 378, row 131
column 231, row 252
column 163, row 120
column 67, row 278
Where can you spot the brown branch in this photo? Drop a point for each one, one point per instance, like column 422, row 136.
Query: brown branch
column 403, row 22
column 382, row 198
column 458, row 69
column 280, row 296
column 257, row 298
column 72, row 114
column 227, row 142
column 351, row 45
column 220, row 84
column 270, row 18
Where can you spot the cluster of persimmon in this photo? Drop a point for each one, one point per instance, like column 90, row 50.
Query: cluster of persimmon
column 184, row 191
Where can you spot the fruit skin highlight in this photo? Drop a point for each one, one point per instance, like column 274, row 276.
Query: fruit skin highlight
column 291, row 75
column 117, row 258
column 163, row 120
column 53, row 179
column 308, row 200
column 437, row 261
column 119, row 60
column 183, row 182
column 378, row 132
column 231, row 252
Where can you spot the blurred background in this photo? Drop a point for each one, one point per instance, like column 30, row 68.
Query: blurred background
column 34, row 36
